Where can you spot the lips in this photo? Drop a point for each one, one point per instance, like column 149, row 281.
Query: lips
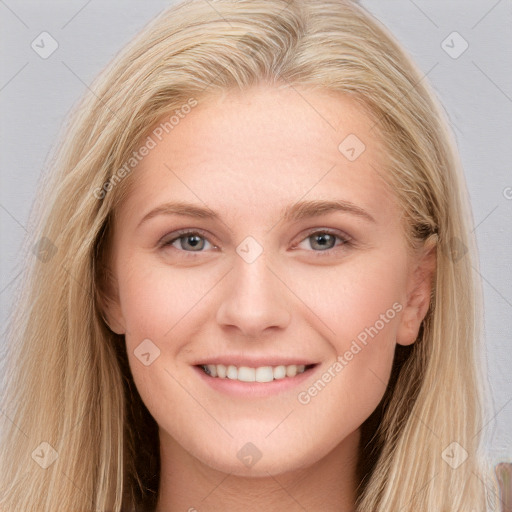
column 261, row 374
column 257, row 377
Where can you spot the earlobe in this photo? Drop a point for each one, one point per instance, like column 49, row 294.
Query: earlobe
column 113, row 318
column 420, row 288
column 108, row 301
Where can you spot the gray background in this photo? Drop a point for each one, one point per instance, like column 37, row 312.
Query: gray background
column 475, row 88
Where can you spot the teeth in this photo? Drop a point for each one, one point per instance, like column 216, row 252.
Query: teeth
column 291, row 371
column 280, row 372
column 246, row 374
column 232, row 372
column 221, row 370
column 212, row 370
column 264, row 374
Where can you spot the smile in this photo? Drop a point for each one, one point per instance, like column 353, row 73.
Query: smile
column 260, row 374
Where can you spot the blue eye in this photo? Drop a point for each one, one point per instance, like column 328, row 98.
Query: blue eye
column 189, row 241
column 323, row 241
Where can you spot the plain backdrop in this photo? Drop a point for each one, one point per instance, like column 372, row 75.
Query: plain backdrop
column 463, row 47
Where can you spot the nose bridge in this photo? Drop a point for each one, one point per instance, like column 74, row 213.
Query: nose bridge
column 253, row 299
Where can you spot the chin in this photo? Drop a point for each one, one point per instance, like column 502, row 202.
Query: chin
column 259, row 458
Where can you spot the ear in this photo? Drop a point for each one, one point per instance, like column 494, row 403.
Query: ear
column 108, row 300
column 419, row 289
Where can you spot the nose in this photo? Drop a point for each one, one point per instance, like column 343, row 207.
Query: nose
column 255, row 301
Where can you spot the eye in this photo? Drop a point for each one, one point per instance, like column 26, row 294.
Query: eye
column 324, row 240
column 189, row 241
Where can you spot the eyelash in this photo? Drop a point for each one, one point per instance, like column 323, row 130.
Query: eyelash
column 345, row 241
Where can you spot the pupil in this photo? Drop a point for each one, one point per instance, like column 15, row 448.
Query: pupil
column 323, row 241
column 194, row 241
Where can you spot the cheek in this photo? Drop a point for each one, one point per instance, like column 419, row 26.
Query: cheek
column 161, row 307
column 360, row 300
column 358, row 308
column 156, row 299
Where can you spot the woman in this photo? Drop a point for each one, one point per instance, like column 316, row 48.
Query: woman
column 248, row 291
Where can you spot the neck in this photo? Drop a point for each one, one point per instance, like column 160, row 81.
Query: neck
column 328, row 485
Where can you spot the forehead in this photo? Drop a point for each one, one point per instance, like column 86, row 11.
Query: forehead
column 265, row 145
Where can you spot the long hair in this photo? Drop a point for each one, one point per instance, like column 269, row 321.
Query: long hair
column 79, row 437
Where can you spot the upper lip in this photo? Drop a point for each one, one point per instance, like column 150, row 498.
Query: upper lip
column 254, row 362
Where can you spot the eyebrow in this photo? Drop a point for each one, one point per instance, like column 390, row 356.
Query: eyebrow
column 295, row 212
column 308, row 209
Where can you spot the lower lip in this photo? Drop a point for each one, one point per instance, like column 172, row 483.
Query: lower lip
column 255, row 389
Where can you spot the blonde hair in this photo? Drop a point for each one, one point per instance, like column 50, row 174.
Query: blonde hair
column 69, row 381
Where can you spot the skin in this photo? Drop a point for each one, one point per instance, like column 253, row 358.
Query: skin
column 247, row 156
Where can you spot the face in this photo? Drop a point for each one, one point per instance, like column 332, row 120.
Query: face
column 260, row 242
